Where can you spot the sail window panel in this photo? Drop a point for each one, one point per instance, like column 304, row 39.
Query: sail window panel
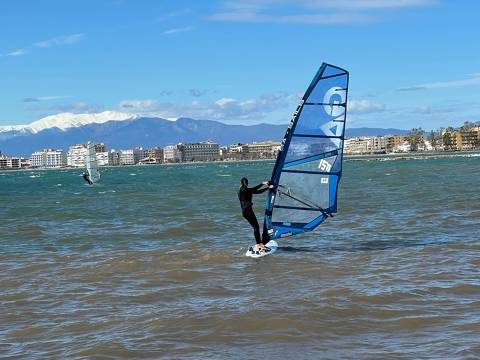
column 330, row 91
column 314, row 120
column 302, row 148
column 332, row 71
column 290, row 216
column 303, row 190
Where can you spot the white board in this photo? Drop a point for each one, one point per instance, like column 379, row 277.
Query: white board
column 272, row 245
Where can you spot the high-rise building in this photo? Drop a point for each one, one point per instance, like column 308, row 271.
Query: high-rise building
column 77, row 155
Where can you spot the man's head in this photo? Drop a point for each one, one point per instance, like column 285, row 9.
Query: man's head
column 244, row 181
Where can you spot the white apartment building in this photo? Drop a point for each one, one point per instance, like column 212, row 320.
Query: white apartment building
column 173, row 153
column 263, row 149
column 7, row 162
column 127, row 157
column 102, row 158
column 376, row 143
column 48, row 158
column 357, row 145
column 77, row 155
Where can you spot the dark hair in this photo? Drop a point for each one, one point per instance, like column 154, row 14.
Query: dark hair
column 244, row 181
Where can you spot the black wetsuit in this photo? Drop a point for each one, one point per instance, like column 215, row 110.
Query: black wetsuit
column 86, row 177
column 245, row 196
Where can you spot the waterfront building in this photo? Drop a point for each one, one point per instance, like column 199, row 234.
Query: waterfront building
column 394, row 142
column 7, row 162
column 202, row 151
column 103, row 158
column 127, row 157
column 405, row 147
column 236, row 152
column 377, row 144
column 114, row 157
column 48, row 158
column 25, row 162
column 466, row 140
column 100, row 148
column 238, row 148
column 155, row 153
column 448, row 141
column 356, row 146
column 77, row 155
column 139, row 153
column 173, row 153
column 262, row 150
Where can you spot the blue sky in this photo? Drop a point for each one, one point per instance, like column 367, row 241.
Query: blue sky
column 412, row 62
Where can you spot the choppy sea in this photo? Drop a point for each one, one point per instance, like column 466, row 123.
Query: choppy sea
column 149, row 263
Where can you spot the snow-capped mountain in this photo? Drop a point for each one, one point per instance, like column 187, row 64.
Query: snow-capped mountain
column 123, row 131
column 67, row 120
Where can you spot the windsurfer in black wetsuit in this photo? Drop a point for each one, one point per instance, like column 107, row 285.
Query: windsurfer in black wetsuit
column 86, row 177
column 245, row 196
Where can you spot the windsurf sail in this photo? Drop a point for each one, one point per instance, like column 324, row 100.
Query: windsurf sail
column 308, row 169
column 91, row 160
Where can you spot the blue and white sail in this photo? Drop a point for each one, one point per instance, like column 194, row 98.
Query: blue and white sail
column 91, row 160
column 309, row 166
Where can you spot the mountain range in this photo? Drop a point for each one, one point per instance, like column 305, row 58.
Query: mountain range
column 123, row 131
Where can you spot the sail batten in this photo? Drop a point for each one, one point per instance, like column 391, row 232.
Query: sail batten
column 309, row 166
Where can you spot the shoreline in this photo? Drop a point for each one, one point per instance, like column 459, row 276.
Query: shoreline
column 348, row 158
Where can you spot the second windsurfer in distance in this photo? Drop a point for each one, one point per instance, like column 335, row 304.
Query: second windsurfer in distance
column 245, row 196
column 86, row 177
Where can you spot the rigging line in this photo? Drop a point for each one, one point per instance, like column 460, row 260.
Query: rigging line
column 323, row 211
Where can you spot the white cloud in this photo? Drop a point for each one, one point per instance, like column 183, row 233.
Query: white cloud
column 220, row 109
column 60, row 40
column 231, row 109
column 364, row 107
column 46, row 98
column 78, row 108
column 15, row 53
column 474, row 80
column 319, row 19
column 367, row 4
column 310, row 11
column 177, row 30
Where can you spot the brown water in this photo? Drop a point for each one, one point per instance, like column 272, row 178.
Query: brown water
column 152, row 265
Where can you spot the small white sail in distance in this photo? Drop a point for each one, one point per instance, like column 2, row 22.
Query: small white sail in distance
column 91, row 160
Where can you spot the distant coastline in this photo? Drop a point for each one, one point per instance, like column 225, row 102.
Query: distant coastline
column 347, row 158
